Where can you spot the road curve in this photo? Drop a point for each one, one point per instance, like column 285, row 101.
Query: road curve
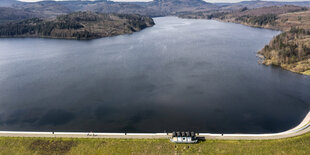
column 302, row 128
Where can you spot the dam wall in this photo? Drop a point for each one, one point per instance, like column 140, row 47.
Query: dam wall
column 302, row 128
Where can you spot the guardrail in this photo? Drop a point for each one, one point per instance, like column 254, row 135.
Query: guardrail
column 302, row 126
column 25, row 132
column 84, row 133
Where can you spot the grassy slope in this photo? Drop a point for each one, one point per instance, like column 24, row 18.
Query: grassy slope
column 296, row 145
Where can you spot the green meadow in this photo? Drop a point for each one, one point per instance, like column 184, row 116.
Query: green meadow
column 74, row 146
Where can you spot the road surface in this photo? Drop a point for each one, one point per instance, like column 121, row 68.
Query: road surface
column 302, row 128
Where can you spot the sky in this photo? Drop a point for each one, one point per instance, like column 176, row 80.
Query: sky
column 211, row 1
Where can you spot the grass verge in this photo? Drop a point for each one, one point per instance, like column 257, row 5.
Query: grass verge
column 75, row 146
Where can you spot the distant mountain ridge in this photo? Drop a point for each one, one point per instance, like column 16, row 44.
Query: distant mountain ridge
column 155, row 8
column 8, row 3
column 258, row 4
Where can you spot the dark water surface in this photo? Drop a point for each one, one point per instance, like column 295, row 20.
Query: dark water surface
column 178, row 75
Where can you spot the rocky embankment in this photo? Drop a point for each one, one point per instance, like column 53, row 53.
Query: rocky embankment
column 290, row 49
column 79, row 25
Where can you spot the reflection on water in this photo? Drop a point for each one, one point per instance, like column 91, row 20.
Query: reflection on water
column 178, row 75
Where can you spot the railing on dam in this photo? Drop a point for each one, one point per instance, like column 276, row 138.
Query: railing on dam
column 305, row 124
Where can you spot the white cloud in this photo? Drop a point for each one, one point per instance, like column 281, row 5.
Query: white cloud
column 212, row 1
column 132, row 0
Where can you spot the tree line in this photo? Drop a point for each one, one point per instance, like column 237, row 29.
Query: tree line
column 259, row 20
column 36, row 26
column 288, row 47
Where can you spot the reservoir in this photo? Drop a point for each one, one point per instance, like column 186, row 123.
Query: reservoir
column 181, row 74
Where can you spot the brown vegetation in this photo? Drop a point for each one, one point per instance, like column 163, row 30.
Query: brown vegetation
column 49, row 146
column 290, row 49
column 276, row 10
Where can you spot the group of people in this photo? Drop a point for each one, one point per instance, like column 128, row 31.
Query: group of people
column 91, row 134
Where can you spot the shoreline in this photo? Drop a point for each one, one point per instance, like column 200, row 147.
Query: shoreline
column 263, row 59
column 282, row 29
column 77, row 26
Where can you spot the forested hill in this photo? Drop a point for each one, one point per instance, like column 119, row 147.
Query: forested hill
column 10, row 14
column 152, row 8
column 79, row 25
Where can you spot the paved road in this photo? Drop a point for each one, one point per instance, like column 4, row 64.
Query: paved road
column 302, row 128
